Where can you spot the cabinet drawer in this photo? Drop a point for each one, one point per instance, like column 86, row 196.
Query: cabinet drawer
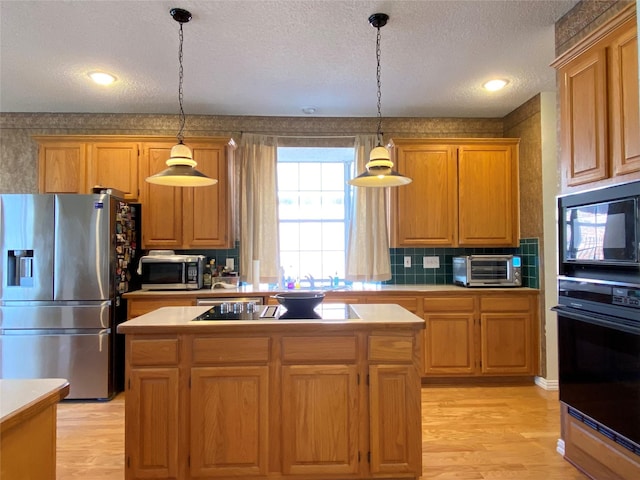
column 319, row 349
column 448, row 304
column 410, row 303
column 153, row 352
column 505, row 304
column 224, row 350
column 140, row 306
column 393, row 349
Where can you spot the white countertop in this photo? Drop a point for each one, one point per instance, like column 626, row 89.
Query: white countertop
column 20, row 394
column 182, row 317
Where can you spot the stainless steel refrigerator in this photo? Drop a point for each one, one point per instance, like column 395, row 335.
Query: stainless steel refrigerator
column 65, row 262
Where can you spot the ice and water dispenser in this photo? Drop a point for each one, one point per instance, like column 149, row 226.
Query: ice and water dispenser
column 20, row 268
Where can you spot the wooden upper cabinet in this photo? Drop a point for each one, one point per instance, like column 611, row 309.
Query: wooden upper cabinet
column 625, row 110
column 115, row 165
column 599, row 109
column 464, row 192
column 426, row 210
column 488, row 198
column 162, row 205
column 207, row 212
column 186, row 217
column 62, row 166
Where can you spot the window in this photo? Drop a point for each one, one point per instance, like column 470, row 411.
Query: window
column 314, row 205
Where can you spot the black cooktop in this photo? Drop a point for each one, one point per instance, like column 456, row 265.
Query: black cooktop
column 274, row 312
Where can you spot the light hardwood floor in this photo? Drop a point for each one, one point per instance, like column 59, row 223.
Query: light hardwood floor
column 506, row 433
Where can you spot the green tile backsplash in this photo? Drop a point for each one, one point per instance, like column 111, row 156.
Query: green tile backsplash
column 416, row 274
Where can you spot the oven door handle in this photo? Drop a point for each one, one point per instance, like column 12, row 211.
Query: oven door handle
column 595, row 319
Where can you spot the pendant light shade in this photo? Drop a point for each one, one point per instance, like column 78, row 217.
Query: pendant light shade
column 379, row 171
column 181, row 171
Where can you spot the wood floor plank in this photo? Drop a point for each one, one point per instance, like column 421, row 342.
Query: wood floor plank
column 468, row 433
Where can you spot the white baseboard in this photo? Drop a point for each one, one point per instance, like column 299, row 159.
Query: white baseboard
column 560, row 447
column 546, row 384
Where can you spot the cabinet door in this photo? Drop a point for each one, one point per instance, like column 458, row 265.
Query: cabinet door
column 321, row 438
column 624, row 105
column 488, row 195
column 162, row 205
column 152, row 423
column 62, row 167
column 583, row 116
column 207, row 223
column 425, row 211
column 115, row 165
column 394, row 398
column 506, row 343
column 449, row 347
column 229, row 403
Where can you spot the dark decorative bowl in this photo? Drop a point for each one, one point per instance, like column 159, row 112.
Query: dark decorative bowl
column 300, row 303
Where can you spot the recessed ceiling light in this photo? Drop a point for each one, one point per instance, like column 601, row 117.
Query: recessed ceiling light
column 102, row 78
column 496, row 84
column 309, row 110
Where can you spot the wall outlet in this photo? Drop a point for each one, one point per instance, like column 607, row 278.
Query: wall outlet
column 407, row 262
column 430, row 262
column 230, row 264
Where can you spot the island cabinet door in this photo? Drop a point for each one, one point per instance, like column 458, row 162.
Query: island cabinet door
column 229, row 421
column 152, row 424
column 394, row 399
column 320, row 420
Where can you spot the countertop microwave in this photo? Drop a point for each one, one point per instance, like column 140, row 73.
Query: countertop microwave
column 487, row 271
column 164, row 270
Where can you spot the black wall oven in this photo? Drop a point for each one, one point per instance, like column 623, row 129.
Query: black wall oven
column 599, row 356
column 599, row 310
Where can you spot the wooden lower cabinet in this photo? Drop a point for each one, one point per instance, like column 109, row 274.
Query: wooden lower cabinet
column 449, row 345
column 229, row 403
column 320, row 421
column 274, row 405
column 481, row 335
column 151, row 438
column 594, row 453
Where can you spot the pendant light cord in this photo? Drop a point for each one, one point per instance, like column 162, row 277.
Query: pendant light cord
column 180, row 94
column 379, row 85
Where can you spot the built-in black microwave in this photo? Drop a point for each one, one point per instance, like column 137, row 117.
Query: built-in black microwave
column 600, row 229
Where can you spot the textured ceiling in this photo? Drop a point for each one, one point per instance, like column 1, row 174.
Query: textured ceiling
column 255, row 57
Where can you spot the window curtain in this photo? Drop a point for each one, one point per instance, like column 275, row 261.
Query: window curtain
column 258, row 208
column 368, row 242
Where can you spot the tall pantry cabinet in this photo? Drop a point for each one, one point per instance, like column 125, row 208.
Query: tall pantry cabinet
column 172, row 218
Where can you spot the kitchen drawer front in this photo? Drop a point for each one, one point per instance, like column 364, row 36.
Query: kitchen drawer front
column 139, row 306
column 153, row 352
column 410, row 303
column 217, row 350
column 325, row 350
column 505, row 304
column 390, row 349
column 449, row 304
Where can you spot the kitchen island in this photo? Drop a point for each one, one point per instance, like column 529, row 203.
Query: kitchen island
column 299, row 399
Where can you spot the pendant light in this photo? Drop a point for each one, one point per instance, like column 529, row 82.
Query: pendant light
column 181, row 171
column 380, row 171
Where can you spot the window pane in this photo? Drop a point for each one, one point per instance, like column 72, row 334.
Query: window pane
column 313, row 198
column 289, row 236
